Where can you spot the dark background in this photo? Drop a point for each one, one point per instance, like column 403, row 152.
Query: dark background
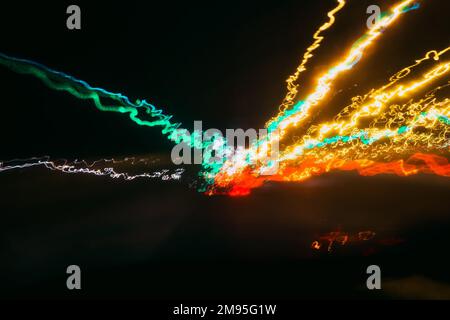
column 224, row 63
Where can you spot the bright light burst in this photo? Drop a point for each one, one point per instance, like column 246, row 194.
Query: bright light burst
column 400, row 128
column 405, row 135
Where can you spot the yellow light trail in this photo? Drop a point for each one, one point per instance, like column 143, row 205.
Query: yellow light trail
column 354, row 55
column 291, row 81
column 283, row 122
column 371, row 109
